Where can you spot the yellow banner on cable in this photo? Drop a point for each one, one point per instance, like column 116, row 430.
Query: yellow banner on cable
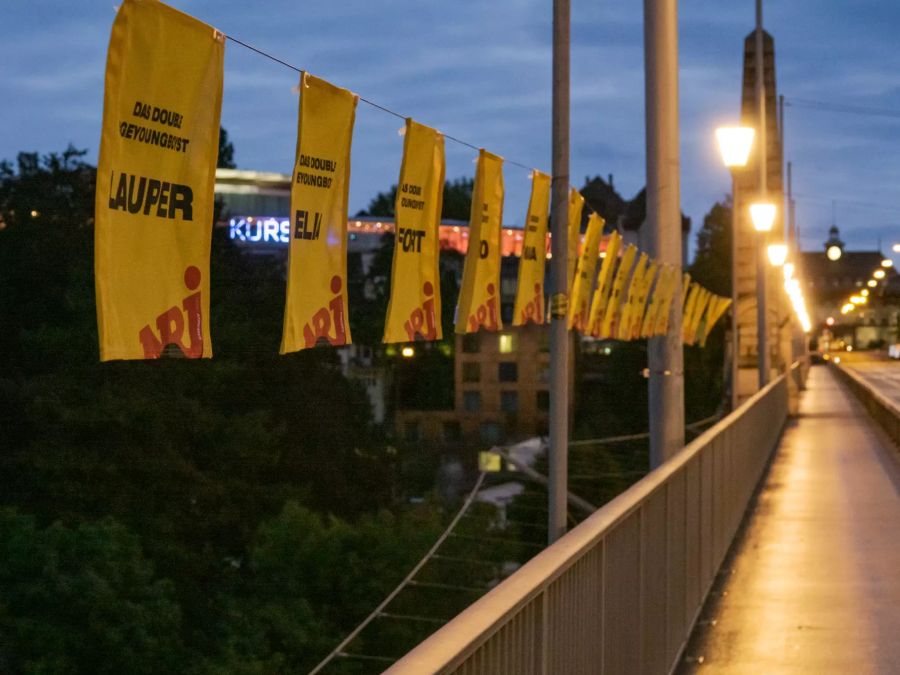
column 665, row 307
column 623, row 272
column 659, row 290
column 640, row 303
column 479, row 296
column 623, row 330
column 582, row 288
column 155, row 181
column 693, row 327
column 414, row 310
column 576, row 206
column 315, row 309
column 529, row 305
column 604, row 283
column 694, row 294
column 714, row 311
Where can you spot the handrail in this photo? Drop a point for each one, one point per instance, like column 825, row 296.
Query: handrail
column 883, row 409
column 452, row 644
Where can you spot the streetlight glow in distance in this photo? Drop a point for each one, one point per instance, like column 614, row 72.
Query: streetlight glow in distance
column 777, row 254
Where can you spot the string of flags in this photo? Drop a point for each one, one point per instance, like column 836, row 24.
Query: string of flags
column 154, row 213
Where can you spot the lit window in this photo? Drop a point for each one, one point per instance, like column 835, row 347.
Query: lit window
column 507, row 342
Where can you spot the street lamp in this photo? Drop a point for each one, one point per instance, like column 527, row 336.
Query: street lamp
column 735, row 144
column 763, row 216
column 777, row 254
column 887, row 262
column 896, row 248
column 834, row 253
column 878, row 274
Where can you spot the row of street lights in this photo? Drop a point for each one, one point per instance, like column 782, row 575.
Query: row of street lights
column 735, row 144
column 862, row 297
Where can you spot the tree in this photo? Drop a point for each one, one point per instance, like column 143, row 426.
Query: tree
column 226, row 151
column 712, row 263
column 704, row 367
column 190, row 456
column 83, row 599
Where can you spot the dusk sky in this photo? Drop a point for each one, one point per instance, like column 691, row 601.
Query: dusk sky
column 481, row 72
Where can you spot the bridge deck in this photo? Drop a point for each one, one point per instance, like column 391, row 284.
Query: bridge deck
column 813, row 583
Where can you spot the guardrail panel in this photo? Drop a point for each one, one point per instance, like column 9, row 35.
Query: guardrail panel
column 620, row 592
column 654, row 575
column 706, row 511
column 573, row 644
column 693, row 585
column 676, row 556
column 622, row 607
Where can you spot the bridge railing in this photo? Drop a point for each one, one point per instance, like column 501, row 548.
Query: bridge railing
column 620, row 593
column 880, row 407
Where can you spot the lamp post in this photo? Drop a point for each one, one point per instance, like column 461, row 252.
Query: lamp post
column 734, row 145
column 763, row 216
column 762, row 213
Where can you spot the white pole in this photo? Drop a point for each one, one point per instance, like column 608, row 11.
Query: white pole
column 761, row 262
column 558, row 458
column 663, row 224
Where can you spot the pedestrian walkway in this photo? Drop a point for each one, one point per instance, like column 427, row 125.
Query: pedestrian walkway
column 813, row 583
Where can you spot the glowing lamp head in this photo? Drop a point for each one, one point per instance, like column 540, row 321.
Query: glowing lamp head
column 829, row 321
column 864, row 292
column 408, row 352
column 777, row 254
column 735, row 144
column 871, row 283
column 887, row 262
column 763, row 216
column 834, row 253
column 896, row 248
column 789, row 270
column 878, row 274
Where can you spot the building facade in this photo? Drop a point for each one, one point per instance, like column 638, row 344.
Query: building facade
column 834, row 276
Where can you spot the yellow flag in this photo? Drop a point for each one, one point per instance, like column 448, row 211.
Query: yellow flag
column 155, row 179
column 665, row 306
column 640, row 307
column 662, row 298
column 414, row 310
column 582, row 288
column 576, row 205
column 686, row 285
column 687, row 316
column 479, row 296
column 530, row 289
column 315, row 309
column 623, row 330
column 654, row 298
column 623, row 272
column 604, row 283
column 699, row 311
column 714, row 312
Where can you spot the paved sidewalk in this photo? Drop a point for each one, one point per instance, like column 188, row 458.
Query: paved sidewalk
column 813, row 585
